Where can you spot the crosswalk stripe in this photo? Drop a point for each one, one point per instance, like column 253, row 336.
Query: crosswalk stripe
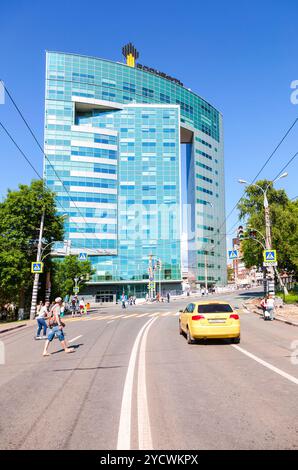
column 104, row 318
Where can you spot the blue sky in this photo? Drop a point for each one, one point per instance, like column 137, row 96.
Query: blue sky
column 239, row 56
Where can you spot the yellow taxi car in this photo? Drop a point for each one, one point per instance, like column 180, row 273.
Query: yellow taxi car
column 209, row 320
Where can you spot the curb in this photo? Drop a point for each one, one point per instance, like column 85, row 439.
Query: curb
column 287, row 322
column 13, row 328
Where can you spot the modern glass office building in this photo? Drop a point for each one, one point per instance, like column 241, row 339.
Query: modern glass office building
column 135, row 158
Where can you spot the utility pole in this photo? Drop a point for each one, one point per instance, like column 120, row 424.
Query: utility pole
column 160, row 277
column 36, row 275
column 268, row 241
column 206, row 273
column 267, row 223
column 159, row 264
column 151, row 278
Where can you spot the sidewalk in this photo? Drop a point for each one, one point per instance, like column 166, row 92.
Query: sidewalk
column 15, row 325
column 286, row 314
column 5, row 327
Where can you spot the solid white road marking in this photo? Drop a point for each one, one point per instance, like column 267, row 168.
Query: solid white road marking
column 111, row 321
column 166, row 314
column 124, row 432
column 143, row 315
column 74, row 339
column 291, row 378
column 144, row 430
column 154, row 314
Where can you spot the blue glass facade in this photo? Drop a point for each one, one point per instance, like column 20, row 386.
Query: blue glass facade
column 112, row 140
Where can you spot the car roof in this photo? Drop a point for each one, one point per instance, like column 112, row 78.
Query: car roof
column 211, row 302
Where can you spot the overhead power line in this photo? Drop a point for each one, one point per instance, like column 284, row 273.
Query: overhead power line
column 20, row 150
column 276, row 148
column 264, row 165
column 46, row 157
column 286, row 165
column 32, row 166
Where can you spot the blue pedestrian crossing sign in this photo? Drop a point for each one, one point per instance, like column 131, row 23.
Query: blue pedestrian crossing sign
column 270, row 256
column 83, row 256
column 37, row 268
column 233, row 254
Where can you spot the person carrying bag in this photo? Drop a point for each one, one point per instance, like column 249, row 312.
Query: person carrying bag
column 56, row 326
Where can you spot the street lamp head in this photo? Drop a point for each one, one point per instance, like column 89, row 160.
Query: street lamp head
column 243, row 181
column 283, row 175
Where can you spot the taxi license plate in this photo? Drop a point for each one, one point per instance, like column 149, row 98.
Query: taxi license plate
column 217, row 321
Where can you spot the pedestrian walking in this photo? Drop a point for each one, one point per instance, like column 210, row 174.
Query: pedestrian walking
column 263, row 304
column 270, row 305
column 41, row 320
column 56, row 328
column 39, row 307
column 62, row 310
column 73, row 306
column 123, row 300
column 168, row 297
column 82, row 305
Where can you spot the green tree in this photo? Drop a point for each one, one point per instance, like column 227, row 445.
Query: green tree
column 20, row 215
column 284, row 225
column 65, row 271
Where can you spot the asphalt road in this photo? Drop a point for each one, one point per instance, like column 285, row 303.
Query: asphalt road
column 134, row 383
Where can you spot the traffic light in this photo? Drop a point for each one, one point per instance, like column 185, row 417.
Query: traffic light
column 240, row 232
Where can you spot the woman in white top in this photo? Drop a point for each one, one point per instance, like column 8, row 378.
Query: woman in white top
column 41, row 320
column 82, row 305
column 270, row 304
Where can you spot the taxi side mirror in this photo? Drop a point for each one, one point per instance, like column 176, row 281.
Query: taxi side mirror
column 181, row 311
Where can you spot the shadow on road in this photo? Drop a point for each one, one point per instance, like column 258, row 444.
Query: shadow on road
column 251, row 294
column 211, row 342
column 74, row 346
column 87, row 368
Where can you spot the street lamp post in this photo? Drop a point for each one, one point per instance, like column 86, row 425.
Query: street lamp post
column 38, row 259
column 206, row 267
column 36, row 275
column 77, row 281
column 268, row 241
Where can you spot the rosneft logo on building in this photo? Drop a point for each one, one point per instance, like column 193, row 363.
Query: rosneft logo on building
column 130, row 53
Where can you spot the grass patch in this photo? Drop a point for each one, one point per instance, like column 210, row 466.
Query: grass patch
column 292, row 298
